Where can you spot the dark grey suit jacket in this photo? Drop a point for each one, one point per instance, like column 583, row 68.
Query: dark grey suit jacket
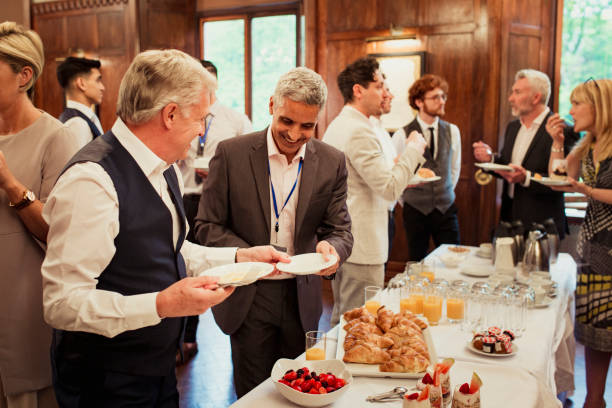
column 235, row 211
column 536, row 202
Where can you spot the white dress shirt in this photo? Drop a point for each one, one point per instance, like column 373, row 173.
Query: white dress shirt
column 388, row 148
column 523, row 140
column 399, row 141
column 282, row 176
column 78, row 126
column 226, row 123
column 83, row 215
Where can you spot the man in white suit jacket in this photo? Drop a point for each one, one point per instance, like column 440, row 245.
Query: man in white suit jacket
column 372, row 181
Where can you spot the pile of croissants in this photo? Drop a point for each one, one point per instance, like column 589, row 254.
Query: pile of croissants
column 393, row 340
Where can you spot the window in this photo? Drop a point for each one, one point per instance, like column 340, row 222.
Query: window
column 251, row 50
column 586, row 47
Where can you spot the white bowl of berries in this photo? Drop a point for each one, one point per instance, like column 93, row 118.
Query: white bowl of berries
column 313, row 383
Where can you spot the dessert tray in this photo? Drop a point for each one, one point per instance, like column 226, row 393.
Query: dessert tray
column 372, row 370
column 239, row 274
column 416, row 179
column 494, row 166
column 306, row 264
column 547, row 181
column 473, row 349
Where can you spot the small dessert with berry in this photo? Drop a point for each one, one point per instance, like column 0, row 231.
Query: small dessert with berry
column 468, row 395
column 494, row 341
column 434, row 386
column 417, row 399
column 308, row 382
column 439, row 373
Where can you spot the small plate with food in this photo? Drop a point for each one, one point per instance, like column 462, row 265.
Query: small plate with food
column 306, row 264
column 494, row 166
column 550, row 181
column 239, row 274
column 424, row 175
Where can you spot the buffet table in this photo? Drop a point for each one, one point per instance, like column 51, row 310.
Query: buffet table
column 526, row 379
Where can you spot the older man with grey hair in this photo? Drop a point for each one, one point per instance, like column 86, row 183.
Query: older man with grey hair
column 283, row 187
column 115, row 285
column 526, row 149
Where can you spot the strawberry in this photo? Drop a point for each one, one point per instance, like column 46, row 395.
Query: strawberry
column 412, row 396
column 465, row 388
column 330, row 389
column 297, row 388
column 306, row 386
column 427, row 379
column 322, row 390
column 424, row 394
column 290, row 376
column 475, row 384
column 340, row 382
column 313, row 390
column 284, row 382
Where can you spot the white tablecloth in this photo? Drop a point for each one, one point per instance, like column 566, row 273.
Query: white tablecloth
column 526, row 379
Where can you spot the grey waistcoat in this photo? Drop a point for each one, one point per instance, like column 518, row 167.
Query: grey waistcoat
column 438, row 194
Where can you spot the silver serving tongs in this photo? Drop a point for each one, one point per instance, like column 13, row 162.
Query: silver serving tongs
column 396, row 393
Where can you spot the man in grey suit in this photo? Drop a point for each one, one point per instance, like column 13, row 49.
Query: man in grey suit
column 372, row 180
column 278, row 186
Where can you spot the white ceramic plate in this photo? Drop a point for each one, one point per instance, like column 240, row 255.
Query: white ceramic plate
column 477, row 271
column 494, row 166
column 336, row 367
column 544, row 303
column 482, row 254
column 372, row 370
column 306, row 264
column 473, row 349
column 201, row 163
column 239, row 274
column 416, row 179
column 547, row 181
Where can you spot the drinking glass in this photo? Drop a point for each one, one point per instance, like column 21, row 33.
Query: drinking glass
column 412, row 297
column 372, row 298
column 456, row 300
column 432, row 304
column 315, row 345
column 477, row 304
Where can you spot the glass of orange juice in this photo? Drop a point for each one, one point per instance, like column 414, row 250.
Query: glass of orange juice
column 432, row 304
column 372, row 298
column 315, row 345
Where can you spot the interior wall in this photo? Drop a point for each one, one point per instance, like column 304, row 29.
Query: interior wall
column 476, row 45
column 17, row 11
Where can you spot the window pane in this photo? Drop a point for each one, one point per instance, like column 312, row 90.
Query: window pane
column 224, row 47
column 274, row 53
column 586, row 50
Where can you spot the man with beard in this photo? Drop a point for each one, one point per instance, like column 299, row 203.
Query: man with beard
column 429, row 209
column 527, row 147
column 283, row 187
column 372, row 181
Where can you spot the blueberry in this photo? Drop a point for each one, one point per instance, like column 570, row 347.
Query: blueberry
column 300, row 372
column 288, row 371
column 324, row 383
column 306, row 378
column 313, row 374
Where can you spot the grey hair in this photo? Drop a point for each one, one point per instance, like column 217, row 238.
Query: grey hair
column 301, row 85
column 159, row 77
column 538, row 81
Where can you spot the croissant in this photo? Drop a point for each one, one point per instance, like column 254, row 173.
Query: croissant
column 405, row 363
column 362, row 319
column 411, row 316
column 361, row 327
column 356, row 313
column 384, row 319
column 366, row 354
column 400, row 320
column 405, row 331
column 410, row 348
column 371, row 338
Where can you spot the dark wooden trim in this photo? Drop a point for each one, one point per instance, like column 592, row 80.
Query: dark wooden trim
column 285, row 8
column 51, row 7
column 558, row 48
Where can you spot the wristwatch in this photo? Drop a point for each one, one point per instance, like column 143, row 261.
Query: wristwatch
column 28, row 198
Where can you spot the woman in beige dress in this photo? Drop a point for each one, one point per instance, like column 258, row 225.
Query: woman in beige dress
column 34, row 147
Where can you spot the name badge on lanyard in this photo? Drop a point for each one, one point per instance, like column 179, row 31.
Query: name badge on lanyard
column 276, row 212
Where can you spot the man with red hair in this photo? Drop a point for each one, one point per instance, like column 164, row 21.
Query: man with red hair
column 429, row 209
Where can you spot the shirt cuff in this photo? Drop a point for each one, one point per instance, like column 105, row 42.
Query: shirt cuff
column 144, row 308
column 527, row 179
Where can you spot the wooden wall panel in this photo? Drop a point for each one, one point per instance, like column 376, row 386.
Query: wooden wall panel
column 104, row 29
column 168, row 24
column 350, row 15
column 477, row 45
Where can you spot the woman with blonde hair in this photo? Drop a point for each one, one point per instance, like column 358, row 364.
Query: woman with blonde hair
column 592, row 160
column 34, row 147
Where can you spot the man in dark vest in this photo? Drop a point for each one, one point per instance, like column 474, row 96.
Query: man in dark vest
column 429, row 208
column 82, row 83
column 115, row 285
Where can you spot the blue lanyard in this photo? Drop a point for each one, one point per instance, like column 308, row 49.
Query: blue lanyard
column 276, row 213
column 203, row 138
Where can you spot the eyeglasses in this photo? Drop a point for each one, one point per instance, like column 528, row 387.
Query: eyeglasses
column 439, row 97
column 594, row 81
